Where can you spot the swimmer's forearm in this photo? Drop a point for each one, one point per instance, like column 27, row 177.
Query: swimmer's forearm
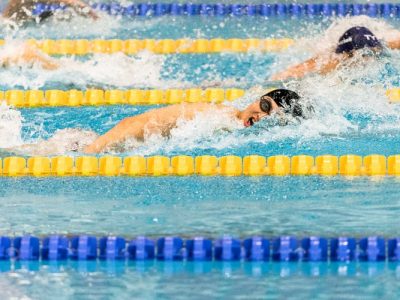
column 79, row 6
column 97, row 146
column 32, row 55
column 123, row 130
column 102, row 142
column 297, row 71
column 74, row 3
column 322, row 65
column 393, row 44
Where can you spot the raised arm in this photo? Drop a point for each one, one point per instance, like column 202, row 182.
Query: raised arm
column 131, row 127
column 318, row 64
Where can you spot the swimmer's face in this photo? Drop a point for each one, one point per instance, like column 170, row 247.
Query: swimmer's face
column 365, row 55
column 258, row 110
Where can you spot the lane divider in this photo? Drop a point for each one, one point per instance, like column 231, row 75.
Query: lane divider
column 227, row 248
column 163, row 46
column 206, row 165
column 296, row 10
column 393, row 95
column 39, row 98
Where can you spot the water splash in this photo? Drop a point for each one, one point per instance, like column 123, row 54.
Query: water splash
column 10, row 126
column 116, row 70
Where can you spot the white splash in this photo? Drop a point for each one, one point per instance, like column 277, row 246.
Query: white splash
column 63, row 141
column 118, row 70
column 10, row 126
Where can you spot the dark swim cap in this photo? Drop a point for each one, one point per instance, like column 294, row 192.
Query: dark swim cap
column 45, row 15
column 357, row 38
column 288, row 101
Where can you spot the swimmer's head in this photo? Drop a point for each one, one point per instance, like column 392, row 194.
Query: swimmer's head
column 283, row 101
column 358, row 38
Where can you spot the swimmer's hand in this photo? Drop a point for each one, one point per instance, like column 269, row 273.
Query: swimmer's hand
column 88, row 11
column 32, row 55
column 81, row 8
column 29, row 54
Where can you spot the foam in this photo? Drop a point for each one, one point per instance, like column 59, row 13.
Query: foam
column 63, row 141
column 10, row 126
column 116, row 70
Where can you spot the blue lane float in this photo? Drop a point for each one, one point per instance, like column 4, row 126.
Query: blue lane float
column 227, row 248
column 141, row 248
column 343, row 249
column 295, row 10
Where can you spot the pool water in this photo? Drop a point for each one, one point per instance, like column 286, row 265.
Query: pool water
column 352, row 116
column 191, row 206
column 90, row 280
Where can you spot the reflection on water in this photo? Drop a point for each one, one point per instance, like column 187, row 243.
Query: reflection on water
column 178, row 280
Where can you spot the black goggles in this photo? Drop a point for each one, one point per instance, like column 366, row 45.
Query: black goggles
column 265, row 104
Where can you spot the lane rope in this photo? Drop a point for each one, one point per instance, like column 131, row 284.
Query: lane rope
column 162, row 46
column 205, row 165
column 39, row 98
column 96, row 97
column 227, row 248
column 295, row 10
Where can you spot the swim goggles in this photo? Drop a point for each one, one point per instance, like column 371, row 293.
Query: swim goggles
column 265, row 104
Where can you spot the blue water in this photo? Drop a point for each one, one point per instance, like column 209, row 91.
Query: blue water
column 88, row 280
column 209, row 206
column 352, row 115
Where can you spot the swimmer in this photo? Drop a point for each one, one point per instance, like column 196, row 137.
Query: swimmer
column 21, row 10
column 349, row 45
column 283, row 102
column 163, row 120
column 26, row 54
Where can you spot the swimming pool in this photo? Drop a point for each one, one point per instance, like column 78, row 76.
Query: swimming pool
column 352, row 116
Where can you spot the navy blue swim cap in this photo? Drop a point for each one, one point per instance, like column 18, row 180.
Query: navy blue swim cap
column 357, row 38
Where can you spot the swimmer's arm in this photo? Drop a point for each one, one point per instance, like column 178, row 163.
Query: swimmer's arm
column 31, row 55
column 394, row 43
column 317, row 64
column 128, row 127
column 79, row 6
